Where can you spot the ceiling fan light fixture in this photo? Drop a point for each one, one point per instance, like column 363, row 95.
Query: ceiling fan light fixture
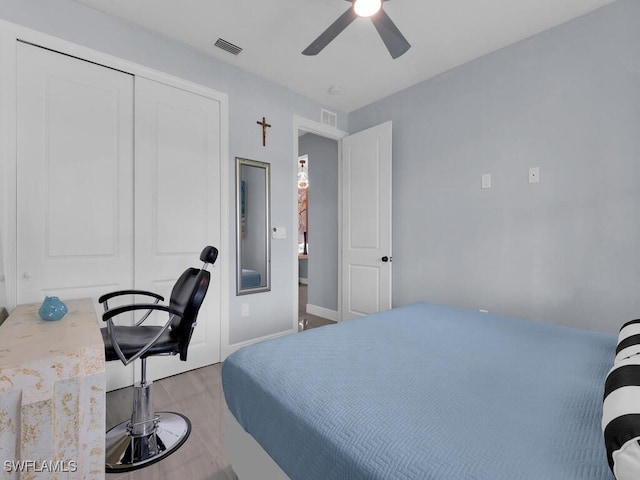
column 367, row 8
column 393, row 39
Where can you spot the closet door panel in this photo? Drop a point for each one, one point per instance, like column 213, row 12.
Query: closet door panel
column 75, row 177
column 78, row 131
column 181, row 180
column 177, row 205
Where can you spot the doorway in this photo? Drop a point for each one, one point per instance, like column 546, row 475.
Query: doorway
column 317, row 210
column 317, row 224
column 364, row 217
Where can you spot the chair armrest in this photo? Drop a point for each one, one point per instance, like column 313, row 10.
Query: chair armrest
column 139, row 306
column 107, row 296
column 107, row 317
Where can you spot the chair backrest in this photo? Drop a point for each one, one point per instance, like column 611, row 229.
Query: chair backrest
column 187, row 296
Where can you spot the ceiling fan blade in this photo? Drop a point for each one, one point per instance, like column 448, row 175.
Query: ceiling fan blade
column 330, row 33
column 391, row 36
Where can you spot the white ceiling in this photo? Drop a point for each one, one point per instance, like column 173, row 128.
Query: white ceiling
column 272, row 33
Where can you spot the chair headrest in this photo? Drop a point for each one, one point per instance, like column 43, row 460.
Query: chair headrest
column 209, row 255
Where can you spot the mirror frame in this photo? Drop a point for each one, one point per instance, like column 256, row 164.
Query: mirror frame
column 240, row 162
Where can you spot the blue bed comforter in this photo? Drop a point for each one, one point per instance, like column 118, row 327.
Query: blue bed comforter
column 427, row 392
column 250, row 278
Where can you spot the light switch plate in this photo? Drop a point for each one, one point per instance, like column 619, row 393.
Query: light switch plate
column 486, row 180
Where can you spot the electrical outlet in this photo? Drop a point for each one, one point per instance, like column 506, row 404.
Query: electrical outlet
column 244, row 309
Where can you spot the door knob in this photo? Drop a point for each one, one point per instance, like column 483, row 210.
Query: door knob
column 385, row 259
column 26, row 274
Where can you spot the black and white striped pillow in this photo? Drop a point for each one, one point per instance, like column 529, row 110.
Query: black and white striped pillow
column 628, row 340
column 621, row 411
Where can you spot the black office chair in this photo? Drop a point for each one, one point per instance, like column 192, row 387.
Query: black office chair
column 148, row 437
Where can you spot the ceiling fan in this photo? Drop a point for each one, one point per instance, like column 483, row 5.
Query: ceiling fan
column 391, row 36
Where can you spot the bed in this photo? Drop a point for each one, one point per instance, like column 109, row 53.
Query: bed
column 426, row 391
column 250, row 278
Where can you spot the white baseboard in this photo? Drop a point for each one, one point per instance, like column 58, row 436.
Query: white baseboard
column 304, row 281
column 322, row 312
column 228, row 350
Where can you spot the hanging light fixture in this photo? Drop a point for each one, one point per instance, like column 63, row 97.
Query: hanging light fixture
column 367, row 8
column 303, row 177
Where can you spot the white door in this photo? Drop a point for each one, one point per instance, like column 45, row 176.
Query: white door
column 75, row 159
column 177, row 206
column 74, row 180
column 366, row 222
column 76, row 183
column 75, row 177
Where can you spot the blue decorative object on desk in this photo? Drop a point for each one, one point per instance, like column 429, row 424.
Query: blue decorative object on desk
column 52, row 309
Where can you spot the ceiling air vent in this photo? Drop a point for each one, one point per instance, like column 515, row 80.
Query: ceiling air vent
column 328, row 118
column 227, row 46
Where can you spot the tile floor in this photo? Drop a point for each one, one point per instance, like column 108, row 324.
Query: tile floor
column 198, row 395
column 306, row 320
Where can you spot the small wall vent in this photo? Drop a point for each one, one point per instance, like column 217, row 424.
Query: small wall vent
column 228, row 46
column 328, row 118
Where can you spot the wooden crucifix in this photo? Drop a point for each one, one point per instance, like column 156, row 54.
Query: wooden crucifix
column 265, row 125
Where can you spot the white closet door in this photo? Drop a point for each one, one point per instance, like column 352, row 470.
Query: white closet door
column 177, row 206
column 75, row 177
column 75, row 181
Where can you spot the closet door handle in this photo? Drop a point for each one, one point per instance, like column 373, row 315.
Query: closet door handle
column 26, row 275
column 386, row 259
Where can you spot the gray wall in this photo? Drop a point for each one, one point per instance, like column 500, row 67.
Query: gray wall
column 250, row 98
column 567, row 100
column 564, row 250
column 323, row 219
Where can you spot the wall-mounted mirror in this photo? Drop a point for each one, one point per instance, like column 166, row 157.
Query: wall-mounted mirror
column 253, row 226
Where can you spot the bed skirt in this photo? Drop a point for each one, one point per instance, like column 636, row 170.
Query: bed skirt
column 247, row 457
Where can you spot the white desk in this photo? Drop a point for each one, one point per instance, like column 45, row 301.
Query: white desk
column 52, row 394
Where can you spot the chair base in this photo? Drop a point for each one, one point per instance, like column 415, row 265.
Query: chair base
column 125, row 452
